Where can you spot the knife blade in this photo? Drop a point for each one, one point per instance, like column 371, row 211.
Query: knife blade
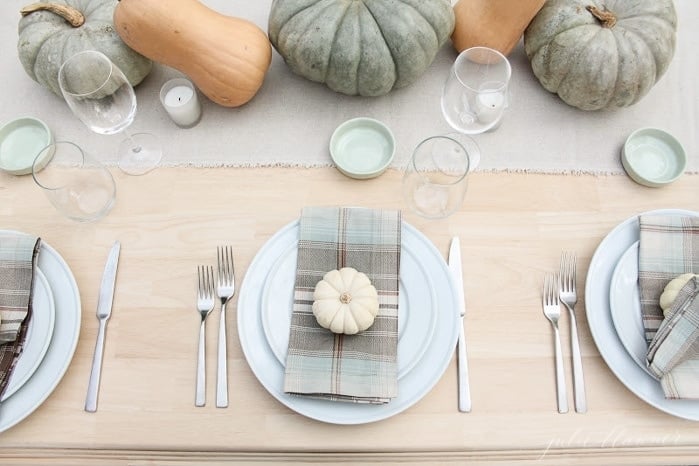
column 461, row 358
column 104, row 311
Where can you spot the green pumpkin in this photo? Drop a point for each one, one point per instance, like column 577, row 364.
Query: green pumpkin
column 47, row 38
column 598, row 54
column 361, row 47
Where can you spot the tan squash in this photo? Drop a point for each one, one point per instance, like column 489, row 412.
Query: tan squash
column 497, row 24
column 226, row 57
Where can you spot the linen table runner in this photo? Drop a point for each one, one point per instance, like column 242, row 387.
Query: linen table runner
column 360, row 368
column 17, row 257
column 668, row 247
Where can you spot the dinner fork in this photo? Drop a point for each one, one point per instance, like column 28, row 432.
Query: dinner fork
column 552, row 311
column 205, row 304
column 225, row 289
column 569, row 298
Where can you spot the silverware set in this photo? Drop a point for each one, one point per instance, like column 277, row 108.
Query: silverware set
column 208, row 289
column 561, row 289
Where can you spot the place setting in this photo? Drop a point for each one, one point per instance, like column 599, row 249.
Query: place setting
column 641, row 307
column 404, row 345
column 42, row 331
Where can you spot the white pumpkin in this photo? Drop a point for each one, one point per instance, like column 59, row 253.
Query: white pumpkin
column 345, row 301
column 672, row 289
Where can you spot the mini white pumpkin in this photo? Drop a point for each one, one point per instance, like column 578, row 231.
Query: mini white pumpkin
column 345, row 301
column 672, row 289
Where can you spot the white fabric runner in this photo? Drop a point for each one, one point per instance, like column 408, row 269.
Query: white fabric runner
column 290, row 120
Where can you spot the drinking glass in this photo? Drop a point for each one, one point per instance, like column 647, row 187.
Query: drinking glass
column 77, row 184
column 475, row 94
column 435, row 180
column 100, row 95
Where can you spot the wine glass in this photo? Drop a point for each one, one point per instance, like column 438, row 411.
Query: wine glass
column 435, row 179
column 475, row 94
column 100, row 95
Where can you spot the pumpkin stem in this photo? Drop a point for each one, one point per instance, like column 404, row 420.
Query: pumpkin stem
column 70, row 14
column 606, row 17
column 345, row 298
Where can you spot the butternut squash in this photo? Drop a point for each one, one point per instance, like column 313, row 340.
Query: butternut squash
column 226, row 57
column 497, row 24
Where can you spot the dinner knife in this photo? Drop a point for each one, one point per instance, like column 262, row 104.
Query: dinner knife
column 104, row 311
column 461, row 359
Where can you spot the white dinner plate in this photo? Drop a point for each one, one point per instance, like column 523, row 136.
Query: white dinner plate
column 599, row 318
column 417, row 307
column 420, row 369
column 625, row 306
column 38, row 334
column 60, row 351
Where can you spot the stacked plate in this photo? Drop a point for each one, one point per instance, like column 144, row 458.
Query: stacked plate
column 51, row 338
column 427, row 316
column 614, row 315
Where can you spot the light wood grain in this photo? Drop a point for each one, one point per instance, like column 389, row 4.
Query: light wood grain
column 512, row 228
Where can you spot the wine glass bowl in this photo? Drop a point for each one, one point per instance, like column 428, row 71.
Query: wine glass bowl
column 100, row 95
column 97, row 92
column 76, row 183
column 435, row 179
column 475, row 94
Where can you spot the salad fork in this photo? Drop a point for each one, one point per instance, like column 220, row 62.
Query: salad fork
column 569, row 298
column 205, row 304
column 225, row 289
column 552, row 311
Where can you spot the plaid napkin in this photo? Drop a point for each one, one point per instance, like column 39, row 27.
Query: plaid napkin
column 673, row 355
column 360, row 368
column 668, row 247
column 17, row 257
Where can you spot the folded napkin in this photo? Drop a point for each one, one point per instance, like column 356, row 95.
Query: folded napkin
column 17, row 258
column 673, row 355
column 668, row 247
column 360, row 368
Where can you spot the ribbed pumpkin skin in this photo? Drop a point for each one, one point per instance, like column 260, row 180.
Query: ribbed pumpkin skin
column 592, row 67
column 360, row 47
column 226, row 57
column 46, row 40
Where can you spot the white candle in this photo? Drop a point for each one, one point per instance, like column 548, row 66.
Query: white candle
column 490, row 105
column 179, row 98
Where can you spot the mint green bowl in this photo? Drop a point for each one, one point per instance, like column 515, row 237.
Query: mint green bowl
column 362, row 148
column 653, row 157
column 20, row 143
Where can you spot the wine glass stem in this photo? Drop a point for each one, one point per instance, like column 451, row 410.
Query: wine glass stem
column 134, row 145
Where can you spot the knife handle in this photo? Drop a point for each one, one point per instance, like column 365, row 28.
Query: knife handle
column 93, row 386
column 462, row 372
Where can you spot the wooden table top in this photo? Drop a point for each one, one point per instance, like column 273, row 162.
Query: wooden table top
column 513, row 227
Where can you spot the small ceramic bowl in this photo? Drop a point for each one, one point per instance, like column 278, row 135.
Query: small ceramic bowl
column 362, row 148
column 653, row 158
column 20, row 143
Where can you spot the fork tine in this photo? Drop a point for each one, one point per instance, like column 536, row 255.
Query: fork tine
column 225, row 264
column 549, row 295
column 567, row 271
column 219, row 261
column 205, row 285
column 210, row 282
column 200, row 282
